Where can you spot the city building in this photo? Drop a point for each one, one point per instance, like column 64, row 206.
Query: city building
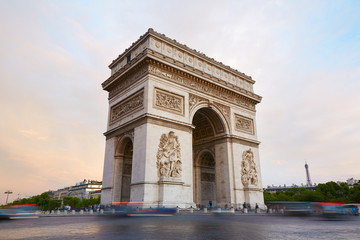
column 84, row 189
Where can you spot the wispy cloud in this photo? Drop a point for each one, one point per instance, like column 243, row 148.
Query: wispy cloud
column 55, row 55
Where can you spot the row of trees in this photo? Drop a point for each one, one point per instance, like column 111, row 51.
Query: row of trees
column 44, row 202
column 328, row 192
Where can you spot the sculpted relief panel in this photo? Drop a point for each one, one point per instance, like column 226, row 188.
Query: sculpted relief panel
column 168, row 101
column 244, row 124
column 168, row 157
column 127, row 106
column 248, row 168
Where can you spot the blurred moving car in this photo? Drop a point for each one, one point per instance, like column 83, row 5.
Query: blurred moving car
column 144, row 209
column 19, row 211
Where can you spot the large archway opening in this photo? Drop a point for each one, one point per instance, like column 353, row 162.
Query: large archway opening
column 208, row 126
column 123, row 170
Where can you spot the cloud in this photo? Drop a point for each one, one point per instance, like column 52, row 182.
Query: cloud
column 55, row 56
column 32, row 134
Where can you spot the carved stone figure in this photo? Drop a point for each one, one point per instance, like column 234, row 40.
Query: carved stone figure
column 168, row 156
column 248, row 168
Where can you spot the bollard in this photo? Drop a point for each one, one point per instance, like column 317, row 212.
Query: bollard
column 101, row 211
column 245, row 210
column 218, row 209
column 58, row 212
column 232, row 210
column 52, row 212
column 270, row 210
column 177, row 210
column 65, row 212
column 73, row 212
column 81, row 211
column 91, row 211
column 205, row 210
column 113, row 211
column 191, row 210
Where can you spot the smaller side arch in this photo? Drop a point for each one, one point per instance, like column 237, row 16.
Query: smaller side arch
column 122, row 168
column 121, row 142
column 205, row 179
column 200, row 154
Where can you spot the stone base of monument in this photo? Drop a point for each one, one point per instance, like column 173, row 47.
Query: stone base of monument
column 171, row 193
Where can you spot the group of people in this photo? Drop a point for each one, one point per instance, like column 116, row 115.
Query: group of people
column 245, row 206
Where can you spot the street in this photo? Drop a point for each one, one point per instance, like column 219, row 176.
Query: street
column 178, row 227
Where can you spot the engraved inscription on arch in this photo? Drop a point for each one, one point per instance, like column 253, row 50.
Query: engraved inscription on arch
column 244, row 124
column 168, row 101
column 127, row 106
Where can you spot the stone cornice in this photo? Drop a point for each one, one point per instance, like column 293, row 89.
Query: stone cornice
column 151, row 57
column 182, row 67
column 183, row 47
column 205, row 86
column 147, row 118
column 133, row 64
column 227, row 137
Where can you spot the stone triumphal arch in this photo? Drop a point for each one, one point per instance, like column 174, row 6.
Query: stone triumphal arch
column 181, row 129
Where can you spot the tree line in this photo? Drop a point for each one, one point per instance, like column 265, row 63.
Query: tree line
column 327, row 192
column 44, row 202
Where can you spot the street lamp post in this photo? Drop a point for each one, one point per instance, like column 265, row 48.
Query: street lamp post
column 7, row 197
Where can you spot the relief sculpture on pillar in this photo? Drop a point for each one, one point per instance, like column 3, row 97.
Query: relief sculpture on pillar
column 248, row 168
column 168, row 156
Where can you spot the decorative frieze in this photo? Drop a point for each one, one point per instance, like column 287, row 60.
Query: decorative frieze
column 168, row 101
column 128, row 80
column 248, row 169
column 244, row 124
column 168, row 157
column 203, row 86
column 195, row 100
column 127, row 106
column 225, row 110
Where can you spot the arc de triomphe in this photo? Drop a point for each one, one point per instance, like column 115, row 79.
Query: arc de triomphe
column 181, row 129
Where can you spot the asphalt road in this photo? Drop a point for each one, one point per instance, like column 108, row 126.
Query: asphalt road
column 179, row 227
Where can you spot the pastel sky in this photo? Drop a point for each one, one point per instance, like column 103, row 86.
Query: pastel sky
column 304, row 56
